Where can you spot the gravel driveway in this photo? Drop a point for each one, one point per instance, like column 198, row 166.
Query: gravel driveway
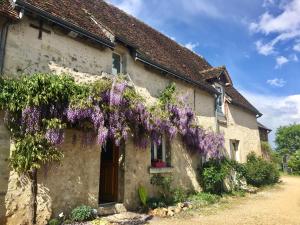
column 278, row 206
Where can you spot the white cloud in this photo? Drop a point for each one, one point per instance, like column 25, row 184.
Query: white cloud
column 277, row 110
column 264, row 49
column 297, row 47
column 294, row 58
column 191, row 45
column 132, row 7
column 281, row 60
column 205, row 7
column 276, row 82
column 285, row 25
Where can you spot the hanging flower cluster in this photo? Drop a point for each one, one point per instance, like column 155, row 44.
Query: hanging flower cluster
column 106, row 109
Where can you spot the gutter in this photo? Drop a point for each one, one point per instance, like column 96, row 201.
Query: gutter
column 29, row 8
column 139, row 57
column 3, row 38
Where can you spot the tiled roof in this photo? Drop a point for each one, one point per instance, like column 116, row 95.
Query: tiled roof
column 7, row 10
column 98, row 17
column 260, row 125
column 239, row 100
column 211, row 73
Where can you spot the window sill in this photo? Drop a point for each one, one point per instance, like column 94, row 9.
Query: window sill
column 154, row 170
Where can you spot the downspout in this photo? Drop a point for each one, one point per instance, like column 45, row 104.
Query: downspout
column 216, row 115
column 3, row 38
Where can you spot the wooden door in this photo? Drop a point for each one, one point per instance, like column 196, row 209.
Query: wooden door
column 109, row 173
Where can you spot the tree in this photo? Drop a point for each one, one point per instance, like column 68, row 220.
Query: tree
column 288, row 139
column 294, row 162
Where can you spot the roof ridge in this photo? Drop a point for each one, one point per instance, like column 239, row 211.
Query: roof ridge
column 157, row 31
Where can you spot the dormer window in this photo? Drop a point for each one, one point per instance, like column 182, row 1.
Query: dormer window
column 220, row 99
column 116, row 63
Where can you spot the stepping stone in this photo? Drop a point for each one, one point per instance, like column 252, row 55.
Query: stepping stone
column 128, row 218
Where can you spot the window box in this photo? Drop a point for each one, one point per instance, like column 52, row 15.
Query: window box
column 158, row 164
column 153, row 170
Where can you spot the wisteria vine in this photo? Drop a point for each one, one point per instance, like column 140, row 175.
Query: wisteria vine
column 105, row 109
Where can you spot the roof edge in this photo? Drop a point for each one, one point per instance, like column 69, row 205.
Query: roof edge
column 22, row 4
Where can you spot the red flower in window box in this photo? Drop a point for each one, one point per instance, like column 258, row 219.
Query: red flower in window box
column 159, row 164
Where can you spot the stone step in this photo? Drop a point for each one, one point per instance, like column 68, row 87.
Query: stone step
column 111, row 209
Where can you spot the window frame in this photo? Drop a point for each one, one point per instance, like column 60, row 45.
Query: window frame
column 164, row 148
column 121, row 63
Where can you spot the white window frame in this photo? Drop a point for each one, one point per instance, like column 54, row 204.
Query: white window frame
column 163, row 148
column 219, row 87
column 121, row 63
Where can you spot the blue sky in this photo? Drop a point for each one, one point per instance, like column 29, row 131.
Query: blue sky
column 257, row 40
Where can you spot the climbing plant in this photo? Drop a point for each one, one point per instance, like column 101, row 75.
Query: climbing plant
column 41, row 106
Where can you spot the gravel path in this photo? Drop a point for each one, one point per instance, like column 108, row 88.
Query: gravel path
column 278, row 206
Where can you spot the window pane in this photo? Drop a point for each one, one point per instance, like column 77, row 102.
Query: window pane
column 116, row 64
column 160, row 152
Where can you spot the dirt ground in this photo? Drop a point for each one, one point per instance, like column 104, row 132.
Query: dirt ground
column 274, row 206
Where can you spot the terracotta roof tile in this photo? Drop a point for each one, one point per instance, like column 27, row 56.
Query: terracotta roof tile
column 239, row 100
column 94, row 15
column 6, row 9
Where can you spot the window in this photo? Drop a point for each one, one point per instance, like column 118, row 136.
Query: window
column 234, row 150
column 116, row 64
column 220, row 99
column 160, row 154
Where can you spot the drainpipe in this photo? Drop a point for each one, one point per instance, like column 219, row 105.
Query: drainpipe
column 3, row 38
column 216, row 114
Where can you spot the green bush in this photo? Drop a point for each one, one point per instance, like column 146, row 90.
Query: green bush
column 82, row 213
column 54, row 222
column 294, row 162
column 156, row 202
column 179, row 195
column 202, row 198
column 212, row 175
column 259, row 172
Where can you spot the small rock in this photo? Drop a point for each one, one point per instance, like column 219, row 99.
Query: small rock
column 180, row 205
column 177, row 210
column 170, row 213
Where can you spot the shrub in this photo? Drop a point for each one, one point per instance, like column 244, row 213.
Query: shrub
column 82, row 213
column 156, row 202
column 259, row 172
column 212, row 175
column 179, row 195
column 294, row 162
column 54, row 222
column 203, row 198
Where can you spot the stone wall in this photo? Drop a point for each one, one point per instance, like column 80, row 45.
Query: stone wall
column 4, row 167
column 137, row 171
column 241, row 125
column 61, row 186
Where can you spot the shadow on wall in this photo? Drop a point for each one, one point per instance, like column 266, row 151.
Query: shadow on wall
column 185, row 165
column 74, row 181
column 56, row 52
column 4, row 166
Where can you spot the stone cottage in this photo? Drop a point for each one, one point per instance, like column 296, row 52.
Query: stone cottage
column 88, row 38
